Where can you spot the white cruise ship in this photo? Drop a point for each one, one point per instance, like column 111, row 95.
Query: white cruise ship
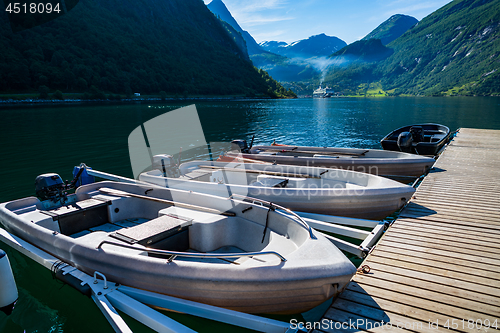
column 323, row 92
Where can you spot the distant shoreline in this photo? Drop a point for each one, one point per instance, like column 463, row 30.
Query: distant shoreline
column 70, row 101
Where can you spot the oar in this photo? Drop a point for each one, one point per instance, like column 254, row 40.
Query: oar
column 315, row 152
column 271, row 173
column 249, row 160
column 178, row 204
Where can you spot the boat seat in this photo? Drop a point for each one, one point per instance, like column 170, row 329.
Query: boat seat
column 199, row 175
column 327, row 156
column 80, row 216
column 166, row 232
column 270, row 181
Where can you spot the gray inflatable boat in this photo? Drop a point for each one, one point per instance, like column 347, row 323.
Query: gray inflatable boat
column 228, row 253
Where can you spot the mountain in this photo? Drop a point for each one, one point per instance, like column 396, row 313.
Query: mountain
column 364, row 50
column 220, row 10
column 274, row 47
column 392, row 28
column 454, row 50
column 125, row 46
column 282, row 68
column 318, row 45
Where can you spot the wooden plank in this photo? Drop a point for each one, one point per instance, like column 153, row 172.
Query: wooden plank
column 491, row 228
column 439, row 264
column 465, row 227
column 445, row 233
column 415, row 307
column 479, row 207
column 445, row 228
column 440, row 207
column 367, row 284
column 471, row 255
column 415, row 317
column 469, row 184
column 472, row 199
column 458, row 184
column 452, row 192
column 339, row 316
column 370, row 316
column 453, row 197
column 440, row 271
column 422, row 252
column 440, row 258
column 464, row 217
column 484, row 224
column 490, row 295
column 434, row 286
column 462, row 247
column 424, row 201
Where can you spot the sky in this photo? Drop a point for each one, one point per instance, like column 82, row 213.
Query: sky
column 349, row 20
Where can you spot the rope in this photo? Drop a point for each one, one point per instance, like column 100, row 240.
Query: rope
column 365, row 269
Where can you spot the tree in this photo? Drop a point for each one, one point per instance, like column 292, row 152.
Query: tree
column 58, row 95
column 44, row 92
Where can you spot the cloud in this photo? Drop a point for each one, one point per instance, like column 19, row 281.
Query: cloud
column 257, row 12
column 261, row 5
column 259, row 20
column 269, row 35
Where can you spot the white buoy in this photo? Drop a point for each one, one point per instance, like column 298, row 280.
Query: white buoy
column 8, row 288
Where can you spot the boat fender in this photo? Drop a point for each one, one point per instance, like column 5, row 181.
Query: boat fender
column 57, row 272
column 84, row 177
column 8, row 288
column 405, row 141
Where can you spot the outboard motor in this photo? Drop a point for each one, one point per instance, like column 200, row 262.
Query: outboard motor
column 405, row 141
column 50, row 186
column 166, row 164
column 417, row 133
column 240, row 145
column 8, row 288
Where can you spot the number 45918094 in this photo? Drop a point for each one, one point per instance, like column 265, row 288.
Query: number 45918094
column 32, row 8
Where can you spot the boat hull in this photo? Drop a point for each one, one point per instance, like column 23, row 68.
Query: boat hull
column 376, row 162
column 360, row 195
column 437, row 135
column 312, row 273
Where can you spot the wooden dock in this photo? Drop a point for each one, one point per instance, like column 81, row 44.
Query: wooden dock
column 437, row 268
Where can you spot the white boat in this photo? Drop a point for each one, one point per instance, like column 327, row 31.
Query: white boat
column 375, row 161
column 227, row 253
column 323, row 92
column 307, row 189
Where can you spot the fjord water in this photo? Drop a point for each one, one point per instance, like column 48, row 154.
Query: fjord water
column 42, row 139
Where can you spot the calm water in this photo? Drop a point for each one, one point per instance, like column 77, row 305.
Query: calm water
column 38, row 140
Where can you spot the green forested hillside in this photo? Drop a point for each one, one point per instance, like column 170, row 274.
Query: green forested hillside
column 392, row 28
column 124, row 46
column 283, row 68
column 365, row 50
column 455, row 50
